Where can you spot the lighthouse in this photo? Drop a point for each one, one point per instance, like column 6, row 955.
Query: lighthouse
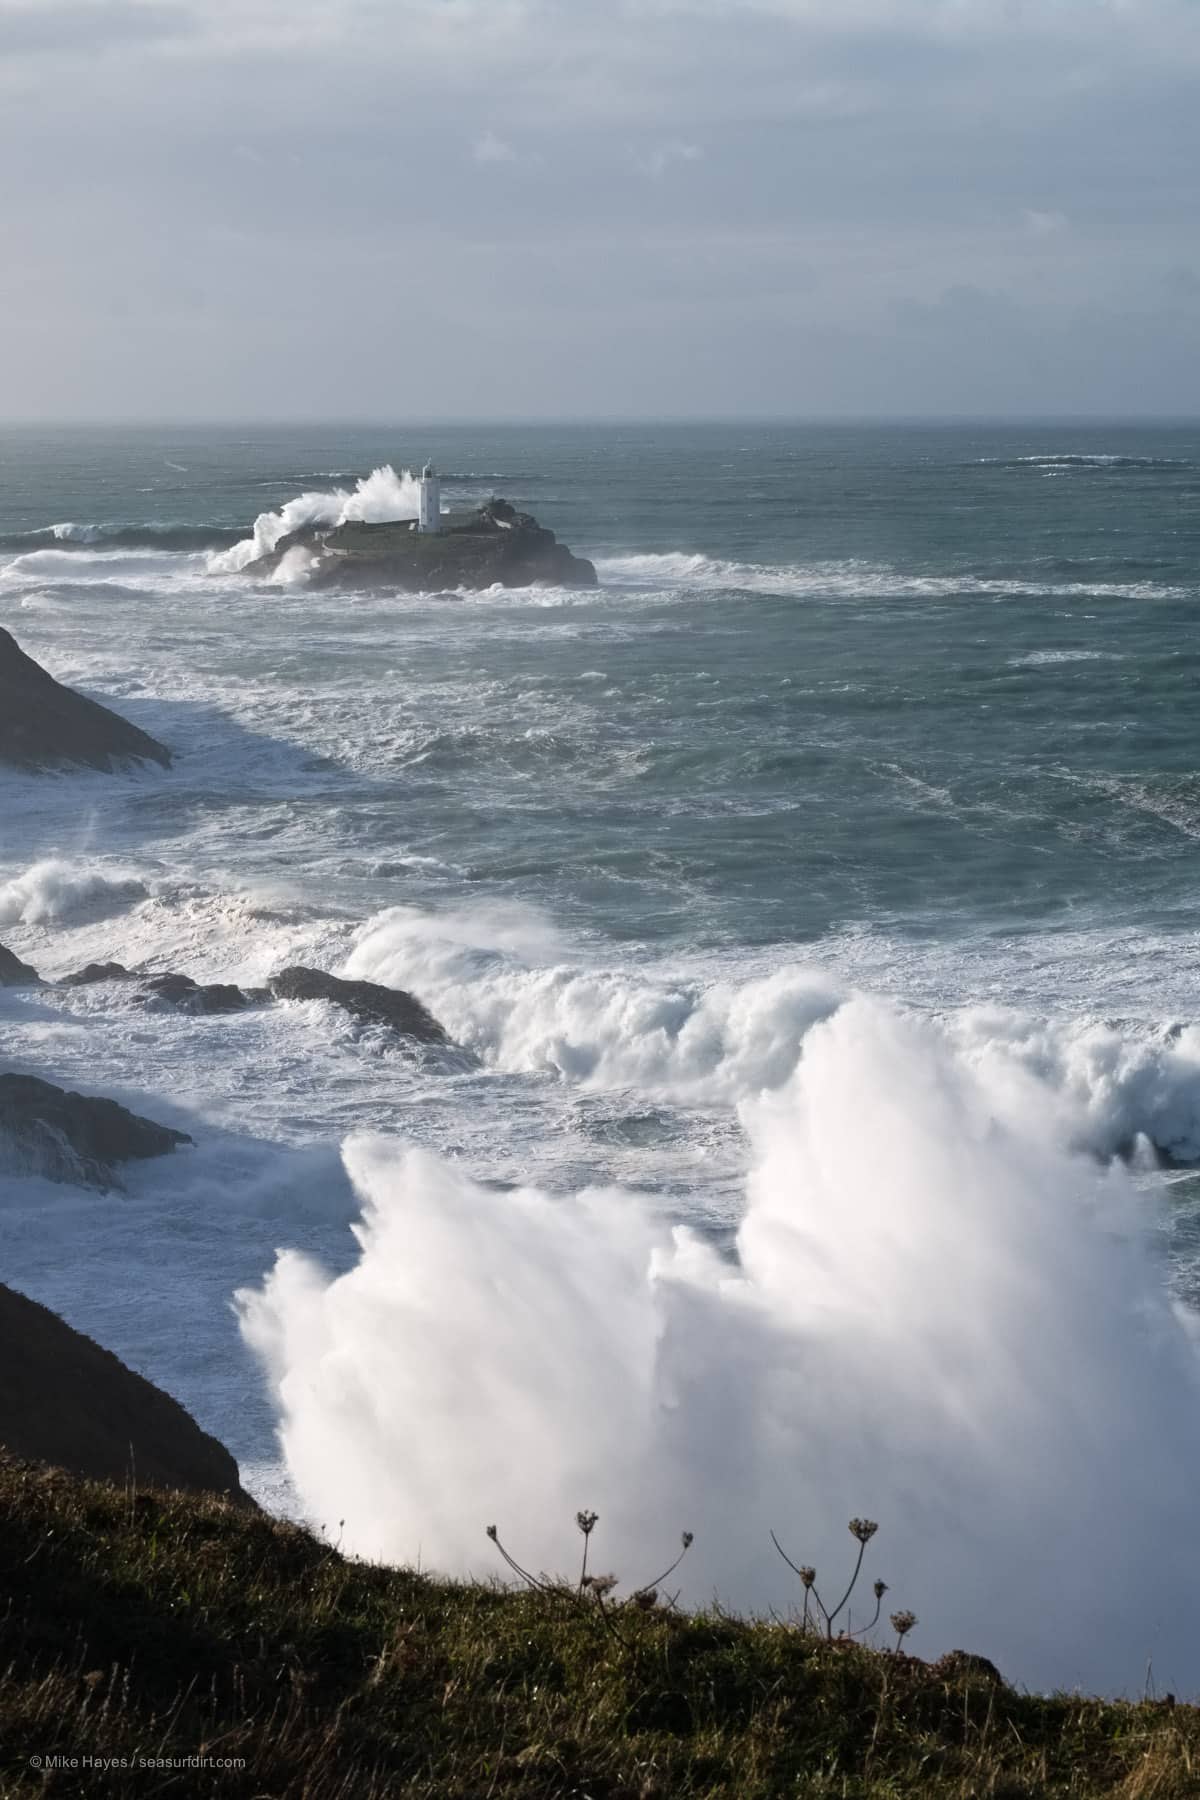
column 429, row 516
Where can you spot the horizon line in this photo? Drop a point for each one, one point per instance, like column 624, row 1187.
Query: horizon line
column 460, row 421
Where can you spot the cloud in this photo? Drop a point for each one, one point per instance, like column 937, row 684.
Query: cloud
column 662, row 157
column 80, row 28
column 1044, row 224
column 781, row 175
column 492, row 149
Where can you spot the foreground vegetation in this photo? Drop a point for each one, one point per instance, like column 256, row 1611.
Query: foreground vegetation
column 158, row 1626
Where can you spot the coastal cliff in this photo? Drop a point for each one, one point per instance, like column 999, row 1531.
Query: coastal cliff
column 493, row 546
column 66, row 1401
column 44, row 725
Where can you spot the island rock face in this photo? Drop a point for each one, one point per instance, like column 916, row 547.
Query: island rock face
column 15, row 973
column 497, row 545
column 63, row 1136
column 66, row 1401
column 44, row 725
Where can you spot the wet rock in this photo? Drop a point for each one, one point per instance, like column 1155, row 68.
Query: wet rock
column 75, row 1138
column 94, row 972
column 15, row 973
column 44, row 725
column 66, row 1401
column 366, row 1000
column 191, row 996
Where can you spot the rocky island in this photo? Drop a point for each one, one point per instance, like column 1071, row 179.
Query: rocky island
column 493, row 546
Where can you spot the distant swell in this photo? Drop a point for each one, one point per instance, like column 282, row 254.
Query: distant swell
column 1081, row 461
column 684, row 571
column 72, row 536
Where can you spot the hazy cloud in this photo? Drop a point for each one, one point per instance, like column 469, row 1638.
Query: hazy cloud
column 85, row 27
column 663, row 156
column 492, row 149
column 844, row 205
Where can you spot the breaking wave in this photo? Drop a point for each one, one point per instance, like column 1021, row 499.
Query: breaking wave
column 507, row 987
column 52, row 890
column 375, row 499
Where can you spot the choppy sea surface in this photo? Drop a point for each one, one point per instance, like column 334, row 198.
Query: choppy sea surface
column 813, row 906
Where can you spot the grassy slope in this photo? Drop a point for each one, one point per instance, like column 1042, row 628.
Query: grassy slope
column 159, row 1625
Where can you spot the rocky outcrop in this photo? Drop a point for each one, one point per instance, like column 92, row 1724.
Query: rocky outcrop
column 66, row 1401
column 44, row 725
column 15, row 973
column 77, row 1138
column 497, row 545
column 94, row 972
column 186, row 995
column 171, row 989
column 366, row 1000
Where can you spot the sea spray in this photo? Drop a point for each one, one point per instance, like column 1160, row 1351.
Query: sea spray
column 936, row 1313
column 376, row 498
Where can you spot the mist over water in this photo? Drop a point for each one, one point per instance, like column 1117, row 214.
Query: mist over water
column 812, row 909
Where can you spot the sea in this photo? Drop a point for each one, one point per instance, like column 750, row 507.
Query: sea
column 814, row 907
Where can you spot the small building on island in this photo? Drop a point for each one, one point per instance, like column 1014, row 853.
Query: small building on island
column 429, row 511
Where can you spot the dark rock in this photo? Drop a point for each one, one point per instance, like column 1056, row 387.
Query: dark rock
column 194, row 997
column 495, row 545
column 66, row 1401
column 44, row 725
column 366, row 1000
column 64, row 1136
column 15, row 973
column 964, row 1665
column 94, row 972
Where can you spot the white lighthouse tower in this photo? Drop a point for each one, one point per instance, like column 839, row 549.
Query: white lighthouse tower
column 429, row 515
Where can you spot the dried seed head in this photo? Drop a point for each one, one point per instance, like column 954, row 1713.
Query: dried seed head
column 808, row 1576
column 600, row 1584
column 585, row 1521
column 881, row 1589
column 492, row 1533
column 903, row 1622
column 687, row 1539
column 863, row 1529
column 647, row 1599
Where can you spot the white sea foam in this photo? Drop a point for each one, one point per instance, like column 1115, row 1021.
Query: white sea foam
column 380, row 496
column 53, row 890
column 692, row 572
column 1037, row 659
column 939, row 1317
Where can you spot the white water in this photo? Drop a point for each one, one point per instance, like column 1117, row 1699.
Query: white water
column 1026, row 1432
column 376, row 498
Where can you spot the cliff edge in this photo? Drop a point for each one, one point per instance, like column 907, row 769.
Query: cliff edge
column 66, row 1401
column 44, row 725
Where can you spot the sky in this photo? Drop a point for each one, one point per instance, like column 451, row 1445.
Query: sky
column 274, row 209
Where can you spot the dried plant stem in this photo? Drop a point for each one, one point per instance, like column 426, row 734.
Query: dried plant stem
column 659, row 1579
column 830, row 1617
column 542, row 1586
